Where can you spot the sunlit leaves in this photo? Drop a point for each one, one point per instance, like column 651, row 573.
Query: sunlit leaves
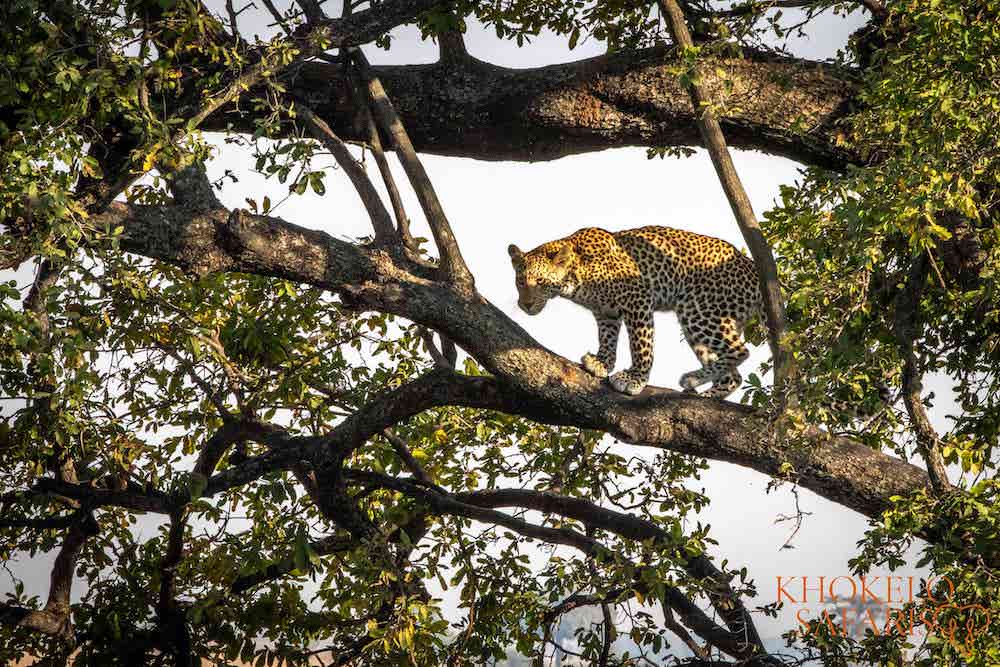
column 926, row 124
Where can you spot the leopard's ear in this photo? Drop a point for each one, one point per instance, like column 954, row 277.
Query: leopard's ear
column 516, row 256
column 565, row 253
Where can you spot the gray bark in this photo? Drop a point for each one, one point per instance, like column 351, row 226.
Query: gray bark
column 529, row 380
column 466, row 107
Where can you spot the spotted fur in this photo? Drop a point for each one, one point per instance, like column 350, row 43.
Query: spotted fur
column 627, row 276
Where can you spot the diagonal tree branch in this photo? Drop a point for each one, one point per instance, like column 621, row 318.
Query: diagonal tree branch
column 715, row 141
column 529, row 380
column 906, row 319
column 375, row 145
column 384, row 231
column 453, row 266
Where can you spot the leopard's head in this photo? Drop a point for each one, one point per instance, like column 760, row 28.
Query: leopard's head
column 542, row 273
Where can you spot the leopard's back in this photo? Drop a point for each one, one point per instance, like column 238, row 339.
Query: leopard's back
column 679, row 267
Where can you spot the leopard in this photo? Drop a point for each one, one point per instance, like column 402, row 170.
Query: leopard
column 627, row 276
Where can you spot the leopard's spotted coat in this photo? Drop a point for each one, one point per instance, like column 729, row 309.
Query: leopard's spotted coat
column 626, row 276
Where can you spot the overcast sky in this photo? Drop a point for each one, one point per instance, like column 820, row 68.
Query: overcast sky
column 493, row 204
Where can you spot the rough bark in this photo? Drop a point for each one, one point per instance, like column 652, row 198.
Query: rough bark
column 470, row 108
column 530, row 380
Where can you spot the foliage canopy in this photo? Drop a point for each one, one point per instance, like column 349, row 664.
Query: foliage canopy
column 232, row 457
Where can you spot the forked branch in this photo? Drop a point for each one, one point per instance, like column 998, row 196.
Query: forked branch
column 384, row 231
column 453, row 266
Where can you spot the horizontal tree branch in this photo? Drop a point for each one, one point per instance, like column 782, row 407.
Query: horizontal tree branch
column 470, row 108
column 134, row 499
column 42, row 523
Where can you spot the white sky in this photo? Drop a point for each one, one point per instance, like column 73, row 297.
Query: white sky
column 492, row 204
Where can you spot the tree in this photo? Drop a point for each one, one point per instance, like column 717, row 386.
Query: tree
column 181, row 360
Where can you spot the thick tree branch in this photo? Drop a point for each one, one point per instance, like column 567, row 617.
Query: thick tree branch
column 64, row 567
column 256, row 467
column 202, row 242
column 732, row 642
column 778, row 105
column 43, row 523
column 134, row 499
column 671, row 624
column 439, row 387
column 54, row 619
column 530, row 380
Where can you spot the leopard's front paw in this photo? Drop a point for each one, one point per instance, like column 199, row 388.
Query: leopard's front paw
column 593, row 365
column 627, row 382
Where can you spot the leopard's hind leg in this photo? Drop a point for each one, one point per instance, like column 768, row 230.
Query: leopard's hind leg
column 718, row 344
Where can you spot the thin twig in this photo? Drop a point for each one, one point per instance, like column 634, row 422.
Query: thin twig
column 453, row 266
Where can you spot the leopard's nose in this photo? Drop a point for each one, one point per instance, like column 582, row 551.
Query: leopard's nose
column 531, row 307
